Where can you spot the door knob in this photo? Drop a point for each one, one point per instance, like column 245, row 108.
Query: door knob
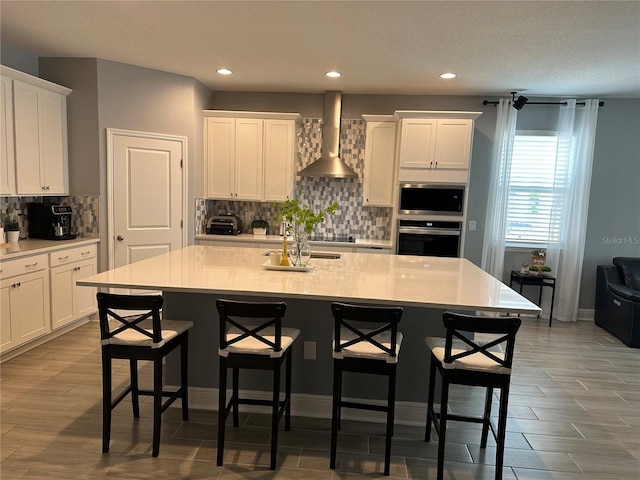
column 120, row 238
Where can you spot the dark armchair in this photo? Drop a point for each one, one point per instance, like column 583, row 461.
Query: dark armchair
column 618, row 299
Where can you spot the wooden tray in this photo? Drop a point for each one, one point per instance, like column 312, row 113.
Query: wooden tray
column 267, row 266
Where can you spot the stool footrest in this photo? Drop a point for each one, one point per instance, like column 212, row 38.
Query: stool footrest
column 435, row 418
column 364, row 406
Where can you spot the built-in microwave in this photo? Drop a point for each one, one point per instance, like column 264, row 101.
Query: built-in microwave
column 431, row 199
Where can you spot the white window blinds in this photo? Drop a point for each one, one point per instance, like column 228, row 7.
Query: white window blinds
column 537, row 190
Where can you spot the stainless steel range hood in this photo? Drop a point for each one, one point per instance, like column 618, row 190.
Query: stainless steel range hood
column 330, row 164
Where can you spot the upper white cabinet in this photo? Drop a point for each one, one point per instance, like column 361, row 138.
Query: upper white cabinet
column 435, row 146
column 7, row 156
column 40, row 135
column 379, row 160
column 249, row 155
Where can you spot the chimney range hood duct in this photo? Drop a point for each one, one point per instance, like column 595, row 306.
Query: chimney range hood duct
column 330, row 164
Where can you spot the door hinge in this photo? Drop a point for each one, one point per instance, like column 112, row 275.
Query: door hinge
column 181, row 223
column 181, row 162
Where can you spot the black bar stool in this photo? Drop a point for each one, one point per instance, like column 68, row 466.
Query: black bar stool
column 478, row 362
column 262, row 347
column 360, row 350
column 140, row 336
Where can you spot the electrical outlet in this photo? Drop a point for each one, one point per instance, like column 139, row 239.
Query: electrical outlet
column 379, row 221
column 472, row 225
column 86, row 216
column 309, row 350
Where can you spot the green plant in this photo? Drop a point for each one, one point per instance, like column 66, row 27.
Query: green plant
column 545, row 268
column 10, row 220
column 259, row 224
column 534, row 268
column 302, row 218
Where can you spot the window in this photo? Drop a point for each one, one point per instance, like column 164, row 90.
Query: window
column 537, row 190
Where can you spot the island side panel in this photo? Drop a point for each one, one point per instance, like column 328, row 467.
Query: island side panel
column 314, row 320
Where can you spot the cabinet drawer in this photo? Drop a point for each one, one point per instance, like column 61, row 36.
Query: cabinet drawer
column 11, row 268
column 63, row 257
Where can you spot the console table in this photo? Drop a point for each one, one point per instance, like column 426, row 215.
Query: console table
column 538, row 281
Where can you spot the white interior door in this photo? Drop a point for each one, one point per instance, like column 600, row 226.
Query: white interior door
column 147, row 204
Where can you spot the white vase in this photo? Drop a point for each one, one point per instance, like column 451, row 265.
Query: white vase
column 13, row 235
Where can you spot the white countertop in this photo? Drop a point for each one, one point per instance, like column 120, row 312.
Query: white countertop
column 33, row 246
column 370, row 278
column 277, row 239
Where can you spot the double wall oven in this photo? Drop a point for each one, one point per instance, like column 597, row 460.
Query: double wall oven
column 430, row 219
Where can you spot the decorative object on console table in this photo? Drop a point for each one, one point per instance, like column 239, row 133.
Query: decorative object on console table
column 11, row 224
column 300, row 223
column 538, row 257
column 534, row 270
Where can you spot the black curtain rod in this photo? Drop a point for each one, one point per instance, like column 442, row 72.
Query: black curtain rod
column 487, row 102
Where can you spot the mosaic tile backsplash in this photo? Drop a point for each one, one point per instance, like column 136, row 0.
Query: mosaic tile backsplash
column 352, row 218
column 80, row 204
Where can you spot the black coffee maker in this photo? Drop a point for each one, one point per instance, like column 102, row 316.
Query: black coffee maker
column 51, row 221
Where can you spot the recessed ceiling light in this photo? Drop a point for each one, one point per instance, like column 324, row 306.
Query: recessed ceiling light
column 333, row 74
column 448, row 75
column 224, row 71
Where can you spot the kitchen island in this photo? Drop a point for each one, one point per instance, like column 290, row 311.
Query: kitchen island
column 193, row 278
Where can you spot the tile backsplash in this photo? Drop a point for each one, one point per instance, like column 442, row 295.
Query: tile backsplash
column 352, row 217
column 80, row 204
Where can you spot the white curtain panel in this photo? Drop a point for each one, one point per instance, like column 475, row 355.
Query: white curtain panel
column 496, row 219
column 576, row 139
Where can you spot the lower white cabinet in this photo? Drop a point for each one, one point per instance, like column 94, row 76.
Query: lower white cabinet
column 24, row 302
column 70, row 302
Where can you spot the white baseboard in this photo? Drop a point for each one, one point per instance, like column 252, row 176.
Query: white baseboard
column 307, row 405
column 586, row 314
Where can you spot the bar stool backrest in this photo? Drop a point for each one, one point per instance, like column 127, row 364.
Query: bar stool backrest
column 345, row 316
column 234, row 314
column 505, row 329
column 143, row 307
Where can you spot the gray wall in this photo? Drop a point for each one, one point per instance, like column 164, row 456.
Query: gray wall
column 18, row 58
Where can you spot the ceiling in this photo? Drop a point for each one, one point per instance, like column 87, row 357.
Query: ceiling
column 545, row 48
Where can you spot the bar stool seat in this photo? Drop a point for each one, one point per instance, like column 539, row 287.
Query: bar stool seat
column 131, row 329
column 364, row 350
column 265, row 346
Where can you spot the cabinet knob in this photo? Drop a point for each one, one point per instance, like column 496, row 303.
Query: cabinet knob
column 120, row 238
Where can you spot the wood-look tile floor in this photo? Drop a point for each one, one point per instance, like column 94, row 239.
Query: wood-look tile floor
column 574, row 413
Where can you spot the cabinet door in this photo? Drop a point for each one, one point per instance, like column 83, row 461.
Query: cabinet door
column 219, row 157
column 61, row 295
column 417, row 143
column 248, row 159
column 30, row 306
column 453, row 143
column 7, row 155
column 278, row 159
column 54, row 169
column 84, row 298
column 27, row 139
column 379, row 162
column 6, row 333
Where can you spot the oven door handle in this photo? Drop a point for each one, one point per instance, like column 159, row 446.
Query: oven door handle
column 427, row 231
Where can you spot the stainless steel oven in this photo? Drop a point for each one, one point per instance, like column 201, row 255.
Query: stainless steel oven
column 430, row 238
column 431, row 199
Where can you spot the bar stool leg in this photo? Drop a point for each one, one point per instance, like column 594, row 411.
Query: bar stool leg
column 106, row 401
column 157, row 405
column 432, row 390
column 391, row 399
column 274, row 414
column 222, row 406
column 234, row 395
column 133, row 372
column 337, row 382
column 486, row 418
column 502, row 430
column 442, row 431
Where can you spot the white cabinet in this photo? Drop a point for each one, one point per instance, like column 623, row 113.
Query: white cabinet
column 379, row 161
column 70, row 302
column 7, row 155
column 278, row 159
column 24, row 286
column 249, row 155
column 40, row 135
column 435, row 146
